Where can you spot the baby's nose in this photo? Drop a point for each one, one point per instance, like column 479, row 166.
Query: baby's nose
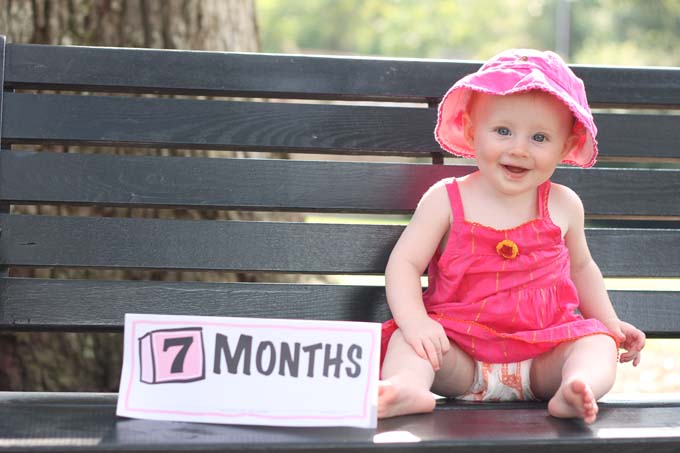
column 519, row 148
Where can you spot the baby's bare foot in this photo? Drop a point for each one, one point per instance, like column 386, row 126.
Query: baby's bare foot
column 574, row 399
column 395, row 399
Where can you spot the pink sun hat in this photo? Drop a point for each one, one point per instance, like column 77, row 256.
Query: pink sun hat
column 517, row 71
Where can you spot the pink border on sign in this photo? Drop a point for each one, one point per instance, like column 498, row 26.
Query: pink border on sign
column 253, row 326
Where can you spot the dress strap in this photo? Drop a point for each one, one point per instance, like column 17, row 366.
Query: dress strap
column 543, row 196
column 455, row 200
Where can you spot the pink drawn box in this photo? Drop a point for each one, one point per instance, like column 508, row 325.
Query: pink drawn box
column 172, row 355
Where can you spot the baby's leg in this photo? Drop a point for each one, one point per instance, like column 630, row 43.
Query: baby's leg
column 405, row 388
column 575, row 375
column 407, row 378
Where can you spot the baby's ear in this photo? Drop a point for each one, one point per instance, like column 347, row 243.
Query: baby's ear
column 575, row 140
column 468, row 130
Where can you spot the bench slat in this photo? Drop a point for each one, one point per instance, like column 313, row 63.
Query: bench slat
column 223, row 125
column 262, row 184
column 195, row 245
column 60, row 303
column 634, row 136
column 254, row 184
column 87, row 423
column 296, row 76
column 47, row 241
column 262, row 126
column 101, row 304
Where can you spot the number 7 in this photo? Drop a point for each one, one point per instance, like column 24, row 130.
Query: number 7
column 184, row 343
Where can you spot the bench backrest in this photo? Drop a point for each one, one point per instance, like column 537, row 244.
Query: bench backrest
column 81, row 97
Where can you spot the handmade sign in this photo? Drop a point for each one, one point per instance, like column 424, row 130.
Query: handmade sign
column 250, row 371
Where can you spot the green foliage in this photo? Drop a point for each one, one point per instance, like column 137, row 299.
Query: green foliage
column 625, row 32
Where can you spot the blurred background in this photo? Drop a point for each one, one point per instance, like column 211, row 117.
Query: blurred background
column 592, row 32
column 607, row 32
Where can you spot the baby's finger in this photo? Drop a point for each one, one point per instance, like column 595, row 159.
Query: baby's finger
column 432, row 354
column 626, row 356
column 637, row 359
column 445, row 345
column 630, row 355
column 635, row 345
column 418, row 347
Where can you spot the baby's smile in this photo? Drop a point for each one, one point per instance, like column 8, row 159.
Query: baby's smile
column 515, row 170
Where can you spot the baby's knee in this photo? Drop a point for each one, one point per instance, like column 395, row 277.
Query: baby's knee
column 603, row 351
column 599, row 342
column 599, row 348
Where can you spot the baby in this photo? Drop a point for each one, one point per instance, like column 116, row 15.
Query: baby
column 508, row 260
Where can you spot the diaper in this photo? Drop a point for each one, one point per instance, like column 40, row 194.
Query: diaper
column 500, row 382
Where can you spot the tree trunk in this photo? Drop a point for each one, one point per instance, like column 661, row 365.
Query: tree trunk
column 67, row 361
column 170, row 24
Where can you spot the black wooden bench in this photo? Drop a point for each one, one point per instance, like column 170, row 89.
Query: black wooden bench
column 632, row 202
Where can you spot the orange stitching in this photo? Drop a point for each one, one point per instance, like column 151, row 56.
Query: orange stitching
column 472, row 232
column 502, row 230
column 481, row 309
column 516, row 337
column 519, row 298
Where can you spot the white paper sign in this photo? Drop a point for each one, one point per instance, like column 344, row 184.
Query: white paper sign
column 250, row 371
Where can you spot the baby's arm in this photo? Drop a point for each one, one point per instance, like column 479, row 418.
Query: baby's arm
column 586, row 275
column 406, row 264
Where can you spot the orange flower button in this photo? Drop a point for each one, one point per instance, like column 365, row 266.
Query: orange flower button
column 507, row 249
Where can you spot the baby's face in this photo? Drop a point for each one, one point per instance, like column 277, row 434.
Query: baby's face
column 519, row 139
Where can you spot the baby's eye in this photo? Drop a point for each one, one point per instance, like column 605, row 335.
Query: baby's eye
column 503, row 131
column 539, row 138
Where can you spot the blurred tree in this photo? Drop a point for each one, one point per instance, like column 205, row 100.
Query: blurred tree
column 601, row 31
column 67, row 361
column 399, row 28
column 628, row 32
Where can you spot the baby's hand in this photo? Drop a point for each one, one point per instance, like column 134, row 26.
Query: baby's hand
column 427, row 337
column 632, row 340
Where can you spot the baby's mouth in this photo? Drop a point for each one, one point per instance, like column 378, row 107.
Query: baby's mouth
column 515, row 170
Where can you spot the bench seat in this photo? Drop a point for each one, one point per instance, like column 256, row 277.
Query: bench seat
column 87, row 422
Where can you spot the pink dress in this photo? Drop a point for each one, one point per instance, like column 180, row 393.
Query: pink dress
column 496, row 307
